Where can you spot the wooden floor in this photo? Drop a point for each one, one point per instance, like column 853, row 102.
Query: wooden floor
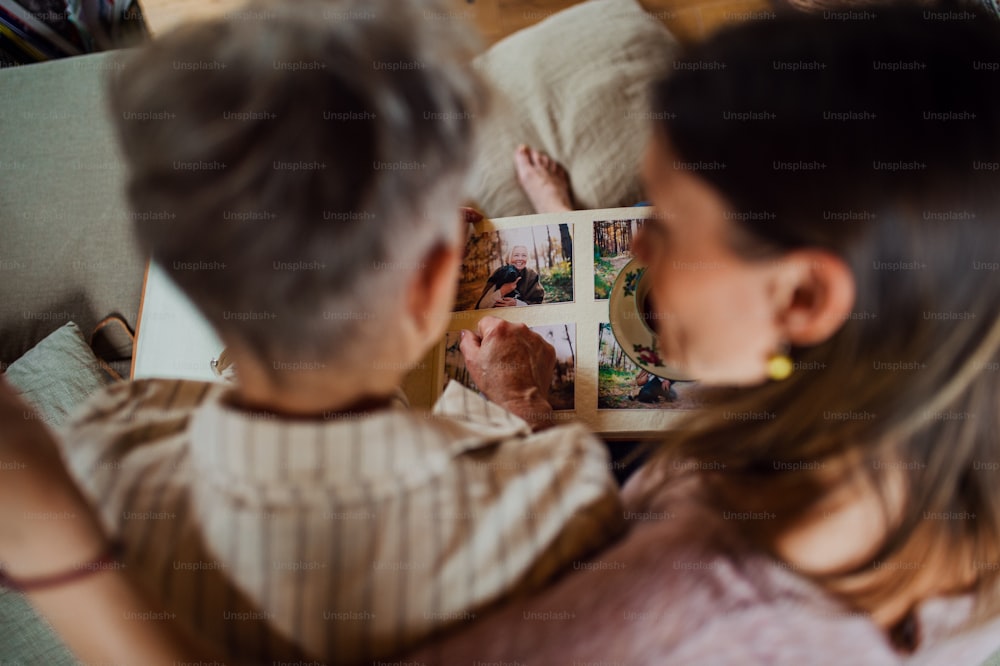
column 687, row 19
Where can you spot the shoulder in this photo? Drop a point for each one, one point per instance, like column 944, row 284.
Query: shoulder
column 556, row 496
column 783, row 632
column 689, row 599
column 131, row 413
column 565, row 470
column 125, row 402
column 127, row 434
column 491, row 442
column 946, row 640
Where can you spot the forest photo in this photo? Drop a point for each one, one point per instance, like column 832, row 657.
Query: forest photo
column 561, row 336
column 516, row 267
column 621, row 384
column 612, row 250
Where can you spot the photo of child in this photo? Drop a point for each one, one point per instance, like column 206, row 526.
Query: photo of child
column 621, row 384
column 517, row 267
column 612, row 250
column 562, row 337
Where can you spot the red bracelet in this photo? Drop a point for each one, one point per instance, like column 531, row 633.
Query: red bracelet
column 108, row 559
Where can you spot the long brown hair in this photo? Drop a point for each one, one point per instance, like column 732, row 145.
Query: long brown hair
column 878, row 140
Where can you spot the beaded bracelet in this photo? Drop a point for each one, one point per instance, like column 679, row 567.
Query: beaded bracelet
column 108, row 559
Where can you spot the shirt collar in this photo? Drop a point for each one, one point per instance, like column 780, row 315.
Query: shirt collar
column 395, row 444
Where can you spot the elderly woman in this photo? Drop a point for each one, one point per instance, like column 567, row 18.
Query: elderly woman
column 837, row 502
column 516, row 288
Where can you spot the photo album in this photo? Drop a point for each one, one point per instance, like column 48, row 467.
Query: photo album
column 570, row 277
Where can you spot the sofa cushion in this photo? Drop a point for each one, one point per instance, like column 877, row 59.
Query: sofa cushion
column 58, row 374
column 25, row 637
column 574, row 85
column 67, row 252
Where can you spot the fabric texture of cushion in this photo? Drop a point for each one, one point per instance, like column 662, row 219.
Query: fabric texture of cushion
column 67, row 252
column 26, row 638
column 58, row 374
column 576, row 86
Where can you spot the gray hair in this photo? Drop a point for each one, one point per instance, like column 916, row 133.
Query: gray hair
column 291, row 163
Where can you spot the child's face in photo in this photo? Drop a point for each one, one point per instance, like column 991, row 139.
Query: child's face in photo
column 519, row 258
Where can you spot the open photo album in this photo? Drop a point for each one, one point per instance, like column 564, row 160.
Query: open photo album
column 570, row 277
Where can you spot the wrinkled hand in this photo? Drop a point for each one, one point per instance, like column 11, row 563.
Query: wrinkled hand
column 512, row 366
column 45, row 523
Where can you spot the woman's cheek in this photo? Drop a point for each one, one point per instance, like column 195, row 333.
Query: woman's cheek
column 640, row 247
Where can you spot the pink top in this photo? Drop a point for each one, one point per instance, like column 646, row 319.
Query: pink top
column 752, row 609
column 667, row 595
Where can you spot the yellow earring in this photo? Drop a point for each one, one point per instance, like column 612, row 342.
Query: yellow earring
column 779, row 365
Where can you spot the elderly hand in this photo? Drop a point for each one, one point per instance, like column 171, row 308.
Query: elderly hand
column 513, row 367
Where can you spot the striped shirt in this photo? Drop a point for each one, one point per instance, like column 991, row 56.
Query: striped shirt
column 341, row 539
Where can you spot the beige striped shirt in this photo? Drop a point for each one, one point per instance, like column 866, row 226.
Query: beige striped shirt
column 335, row 539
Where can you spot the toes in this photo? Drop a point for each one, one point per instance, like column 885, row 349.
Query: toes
column 542, row 160
column 522, row 159
column 546, row 162
column 528, row 153
column 537, row 168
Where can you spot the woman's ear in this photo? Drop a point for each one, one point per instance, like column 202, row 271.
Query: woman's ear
column 816, row 296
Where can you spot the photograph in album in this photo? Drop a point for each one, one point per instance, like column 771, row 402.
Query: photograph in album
column 505, row 268
column 621, row 384
column 612, row 251
column 562, row 337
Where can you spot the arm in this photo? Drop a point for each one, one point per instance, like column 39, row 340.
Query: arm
column 504, row 299
column 533, row 291
column 47, row 529
column 104, row 619
column 496, row 298
column 486, row 298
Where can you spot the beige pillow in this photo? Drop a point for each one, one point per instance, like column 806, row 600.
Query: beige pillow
column 575, row 85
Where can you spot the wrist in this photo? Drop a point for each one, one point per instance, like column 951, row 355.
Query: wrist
column 106, row 559
column 532, row 407
column 54, row 537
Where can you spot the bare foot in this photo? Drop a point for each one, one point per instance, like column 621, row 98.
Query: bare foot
column 543, row 179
